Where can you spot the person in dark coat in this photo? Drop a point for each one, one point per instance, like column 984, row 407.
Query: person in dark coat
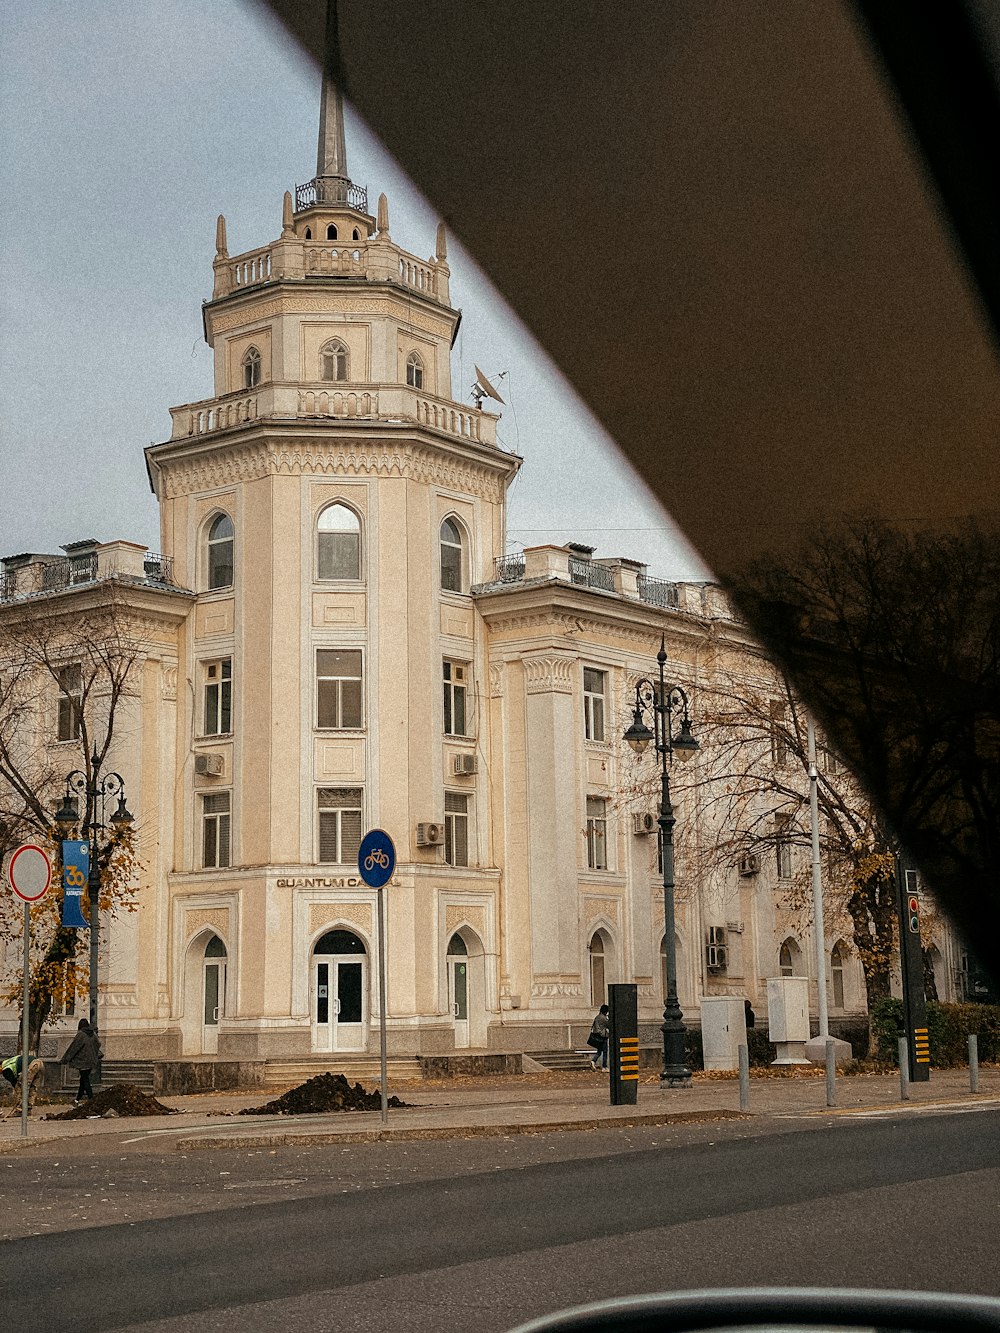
column 84, row 1055
column 751, row 1017
column 598, row 1038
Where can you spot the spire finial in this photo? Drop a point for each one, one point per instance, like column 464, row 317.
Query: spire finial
column 331, row 158
column 287, row 226
column 383, row 217
column 441, row 249
column 220, row 238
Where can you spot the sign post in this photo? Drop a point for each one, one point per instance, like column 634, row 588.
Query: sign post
column 376, row 862
column 29, row 872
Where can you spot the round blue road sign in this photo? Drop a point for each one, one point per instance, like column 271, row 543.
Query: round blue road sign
column 376, row 858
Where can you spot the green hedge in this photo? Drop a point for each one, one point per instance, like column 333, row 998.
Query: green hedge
column 949, row 1027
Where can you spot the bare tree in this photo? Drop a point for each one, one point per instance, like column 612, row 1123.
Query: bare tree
column 65, row 673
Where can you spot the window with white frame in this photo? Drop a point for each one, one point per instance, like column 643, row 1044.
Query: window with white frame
column 414, row 371
column 594, row 685
column 779, row 747
column 786, row 958
column 338, row 688
column 251, row 368
column 339, row 818
column 597, row 833
column 338, row 551
column 451, row 556
column 456, row 679
column 783, row 845
column 221, row 536
column 334, row 363
column 217, row 719
column 456, row 828
column 69, row 710
column 215, row 830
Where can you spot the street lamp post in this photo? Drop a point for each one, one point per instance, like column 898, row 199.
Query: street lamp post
column 96, row 792
column 663, row 701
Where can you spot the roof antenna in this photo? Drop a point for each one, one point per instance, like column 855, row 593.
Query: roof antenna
column 483, row 389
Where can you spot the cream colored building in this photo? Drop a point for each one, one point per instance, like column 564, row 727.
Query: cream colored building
column 335, row 640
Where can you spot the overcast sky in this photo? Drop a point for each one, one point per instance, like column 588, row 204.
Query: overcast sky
column 128, row 126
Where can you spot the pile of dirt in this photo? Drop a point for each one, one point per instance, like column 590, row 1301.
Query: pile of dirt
column 325, row 1092
column 120, row 1098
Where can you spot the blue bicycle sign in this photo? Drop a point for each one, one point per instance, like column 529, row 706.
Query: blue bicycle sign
column 376, row 858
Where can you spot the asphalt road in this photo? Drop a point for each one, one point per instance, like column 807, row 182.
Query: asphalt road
column 481, row 1234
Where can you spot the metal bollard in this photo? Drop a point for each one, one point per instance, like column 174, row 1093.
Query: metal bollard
column 904, row 1070
column 831, row 1074
column 744, row 1058
column 973, row 1062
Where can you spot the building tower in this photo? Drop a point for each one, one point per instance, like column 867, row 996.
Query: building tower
column 332, row 505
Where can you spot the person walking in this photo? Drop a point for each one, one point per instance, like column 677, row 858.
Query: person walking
column 84, row 1055
column 599, row 1038
column 11, row 1070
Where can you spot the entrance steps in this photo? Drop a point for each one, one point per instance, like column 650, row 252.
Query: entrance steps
column 562, row 1060
column 138, row 1072
column 360, row 1068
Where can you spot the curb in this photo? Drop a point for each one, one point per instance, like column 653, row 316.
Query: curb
column 312, row 1138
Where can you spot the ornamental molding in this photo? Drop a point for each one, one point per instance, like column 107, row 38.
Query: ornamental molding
column 602, row 907
column 456, row 916
column 548, row 674
column 496, row 680
column 318, row 305
column 168, row 682
column 540, row 990
column 215, row 917
column 231, row 466
column 328, row 915
column 119, row 998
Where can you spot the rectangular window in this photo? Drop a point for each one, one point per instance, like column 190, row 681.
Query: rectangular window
column 339, row 811
column 456, row 829
column 597, row 833
column 218, row 716
column 783, row 846
column 70, row 703
column 456, row 676
column 215, row 817
column 778, row 746
column 338, row 688
column 593, row 704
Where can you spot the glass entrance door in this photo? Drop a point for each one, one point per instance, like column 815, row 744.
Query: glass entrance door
column 338, row 1003
column 214, row 993
column 458, row 988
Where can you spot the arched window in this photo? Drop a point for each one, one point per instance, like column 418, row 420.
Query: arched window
column 309, row 234
column 837, row 974
column 333, row 361
column 452, row 579
column 220, row 552
column 414, row 371
column 598, row 987
column 786, row 958
column 339, row 543
column 331, row 232
column 355, row 235
column 251, row 368
column 215, row 948
column 339, row 941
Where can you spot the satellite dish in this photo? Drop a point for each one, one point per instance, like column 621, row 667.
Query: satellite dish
column 484, row 389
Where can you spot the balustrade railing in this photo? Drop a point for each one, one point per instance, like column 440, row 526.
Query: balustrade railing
column 158, row 568
column 417, row 275
column 337, row 403
column 508, row 568
column 331, row 190
column 349, row 260
column 657, row 592
column 590, row 575
column 251, row 268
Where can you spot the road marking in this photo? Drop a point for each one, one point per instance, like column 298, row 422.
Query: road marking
column 900, row 1108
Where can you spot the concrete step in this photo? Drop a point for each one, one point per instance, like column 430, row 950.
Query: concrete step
column 560, row 1060
column 138, row 1072
column 365, row 1069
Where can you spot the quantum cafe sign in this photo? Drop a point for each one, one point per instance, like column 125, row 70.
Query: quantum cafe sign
column 325, row 882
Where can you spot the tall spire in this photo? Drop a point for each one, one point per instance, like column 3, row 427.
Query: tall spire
column 331, row 158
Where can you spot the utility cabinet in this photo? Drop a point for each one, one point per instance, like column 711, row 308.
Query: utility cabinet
column 723, row 1030
column 788, row 1018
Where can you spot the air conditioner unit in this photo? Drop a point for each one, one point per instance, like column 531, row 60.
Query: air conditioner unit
column 209, row 765
column 717, row 936
column 430, row 835
column 716, row 957
column 464, row 765
column 750, row 864
column 644, row 822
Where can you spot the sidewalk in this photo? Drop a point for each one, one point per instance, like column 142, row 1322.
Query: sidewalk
column 517, row 1104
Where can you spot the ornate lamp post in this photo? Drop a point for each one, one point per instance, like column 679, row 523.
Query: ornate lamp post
column 662, row 702
column 96, row 791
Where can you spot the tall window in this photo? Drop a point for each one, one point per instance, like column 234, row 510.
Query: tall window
column 218, row 715
column 215, row 831
column 778, row 745
column 220, row 552
column 598, row 989
column 339, row 810
column 451, row 556
column 251, row 368
column 338, row 688
column 783, row 845
column 455, row 680
column 339, row 548
column 786, row 960
column 456, row 829
column 593, row 704
column 414, row 371
column 333, row 361
column 597, row 833
column 331, row 232
column 70, row 708
column 837, row 974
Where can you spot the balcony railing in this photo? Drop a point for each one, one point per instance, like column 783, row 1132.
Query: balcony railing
column 158, row 568
column 657, row 592
column 331, row 190
column 590, row 575
column 57, row 573
column 508, row 569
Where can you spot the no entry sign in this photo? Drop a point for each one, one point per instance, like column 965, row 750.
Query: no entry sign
column 30, row 872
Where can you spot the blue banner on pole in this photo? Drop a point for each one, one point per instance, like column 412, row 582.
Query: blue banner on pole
column 76, row 872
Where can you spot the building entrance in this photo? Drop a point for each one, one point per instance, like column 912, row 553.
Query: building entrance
column 214, row 992
column 339, row 993
column 458, row 987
